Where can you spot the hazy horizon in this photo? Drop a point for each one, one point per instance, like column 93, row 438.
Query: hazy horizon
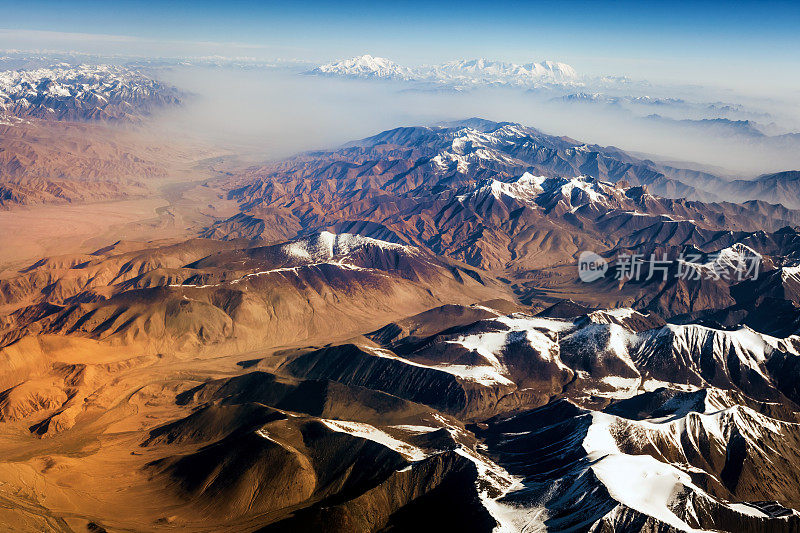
column 740, row 58
column 746, row 47
column 273, row 114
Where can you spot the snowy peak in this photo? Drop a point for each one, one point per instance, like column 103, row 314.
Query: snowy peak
column 737, row 259
column 469, row 147
column 325, row 246
column 699, row 356
column 790, row 273
column 550, row 193
column 526, row 188
column 484, row 71
column 582, row 190
column 596, row 469
column 619, row 452
column 365, row 66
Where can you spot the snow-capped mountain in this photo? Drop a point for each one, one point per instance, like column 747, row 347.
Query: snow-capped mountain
column 474, row 72
column 365, row 66
column 477, row 191
column 327, row 246
column 549, row 192
column 85, row 92
column 483, row 71
column 662, row 461
column 689, row 414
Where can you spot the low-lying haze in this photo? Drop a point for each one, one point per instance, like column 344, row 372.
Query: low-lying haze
column 269, row 114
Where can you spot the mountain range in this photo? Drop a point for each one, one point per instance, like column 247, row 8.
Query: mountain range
column 465, row 72
column 493, row 414
column 404, row 180
column 735, row 113
column 83, row 92
column 395, row 335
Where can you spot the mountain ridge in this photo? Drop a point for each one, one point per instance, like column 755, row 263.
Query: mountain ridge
column 466, row 72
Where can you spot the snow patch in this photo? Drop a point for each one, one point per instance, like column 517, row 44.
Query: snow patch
column 483, row 375
column 366, row 431
column 326, row 245
column 640, row 482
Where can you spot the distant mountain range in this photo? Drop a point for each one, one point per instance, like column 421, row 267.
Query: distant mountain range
column 712, row 110
column 466, row 72
column 557, row 83
column 722, row 128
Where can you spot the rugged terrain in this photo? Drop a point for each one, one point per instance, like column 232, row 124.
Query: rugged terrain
column 394, row 336
column 83, row 92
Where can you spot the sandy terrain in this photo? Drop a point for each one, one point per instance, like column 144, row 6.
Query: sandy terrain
column 52, row 230
column 178, row 211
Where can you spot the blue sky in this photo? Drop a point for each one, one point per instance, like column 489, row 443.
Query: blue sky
column 684, row 42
